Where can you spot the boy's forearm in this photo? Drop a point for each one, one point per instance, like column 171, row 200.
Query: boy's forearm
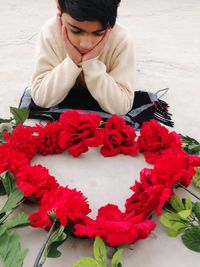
column 50, row 87
column 113, row 91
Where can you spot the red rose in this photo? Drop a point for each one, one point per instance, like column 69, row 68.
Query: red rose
column 79, row 132
column 116, row 227
column 119, row 138
column 63, row 203
column 35, row 181
column 155, row 139
column 47, row 138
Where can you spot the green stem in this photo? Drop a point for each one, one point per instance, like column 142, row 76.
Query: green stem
column 42, row 249
column 182, row 186
column 5, row 217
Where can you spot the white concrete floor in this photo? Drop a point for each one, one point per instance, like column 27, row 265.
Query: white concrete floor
column 167, row 40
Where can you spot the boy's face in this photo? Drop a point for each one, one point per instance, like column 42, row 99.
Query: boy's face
column 84, row 35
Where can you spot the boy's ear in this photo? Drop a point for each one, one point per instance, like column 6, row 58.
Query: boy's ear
column 58, row 5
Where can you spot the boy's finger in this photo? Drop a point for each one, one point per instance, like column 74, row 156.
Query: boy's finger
column 103, row 40
column 64, row 34
column 65, row 37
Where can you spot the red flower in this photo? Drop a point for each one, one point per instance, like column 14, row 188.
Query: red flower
column 194, row 161
column 47, row 138
column 119, row 138
column 22, row 140
column 173, row 167
column 11, row 160
column 116, row 227
column 35, row 181
column 147, row 196
column 79, row 132
column 155, row 139
column 115, row 123
column 151, row 199
column 63, row 203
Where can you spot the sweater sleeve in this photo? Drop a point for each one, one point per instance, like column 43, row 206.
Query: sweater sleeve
column 113, row 90
column 53, row 76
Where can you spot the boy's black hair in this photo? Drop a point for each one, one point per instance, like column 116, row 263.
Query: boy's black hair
column 104, row 11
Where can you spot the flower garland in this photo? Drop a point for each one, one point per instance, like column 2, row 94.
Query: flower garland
column 76, row 133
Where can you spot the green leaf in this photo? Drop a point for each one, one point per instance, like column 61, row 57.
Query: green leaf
column 10, row 250
column 177, row 203
column 174, row 223
column 117, row 258
column 100, row 251
column 191, row 238
column 184, row 214
column 2, row 189
column 87, row 262
column 2, row 140
column 56, row 240
column 15, row 196
column 13, row 201
column 5, row 120
column 188, row 203
column 19, row 221
column 169, row 219
column 19, row 114
column 190, row 145
column 196, row 178
column 8, row 181
column 196, row 209
column 176, row 229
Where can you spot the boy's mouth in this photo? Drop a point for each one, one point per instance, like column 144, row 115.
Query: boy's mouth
column 83, row 52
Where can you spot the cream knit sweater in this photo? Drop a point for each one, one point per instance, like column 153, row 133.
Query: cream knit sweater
column 109, row 78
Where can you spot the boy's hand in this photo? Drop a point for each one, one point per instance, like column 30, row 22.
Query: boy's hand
column 73, row 53
column 98, row 48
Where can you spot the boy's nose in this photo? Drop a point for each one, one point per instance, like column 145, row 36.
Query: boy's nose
column 86, row 44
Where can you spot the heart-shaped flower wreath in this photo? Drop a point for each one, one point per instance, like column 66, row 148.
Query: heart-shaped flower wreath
column 76, row 132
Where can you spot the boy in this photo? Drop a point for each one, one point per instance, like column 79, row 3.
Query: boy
column 84, row 60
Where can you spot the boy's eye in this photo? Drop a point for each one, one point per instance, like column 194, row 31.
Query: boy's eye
column 75, row 31
column 99, row 33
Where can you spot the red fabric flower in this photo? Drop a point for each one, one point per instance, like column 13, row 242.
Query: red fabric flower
column 63, row 203
column 155, row 139
column 22, row 140
column 116, row 227
column 34, row 181
column 11, row 160
column 47, row 138
column 147, row 197
column 173, row 167
column 79, row 132
column 119, row 138
column 194, row 161
column 75, row 132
